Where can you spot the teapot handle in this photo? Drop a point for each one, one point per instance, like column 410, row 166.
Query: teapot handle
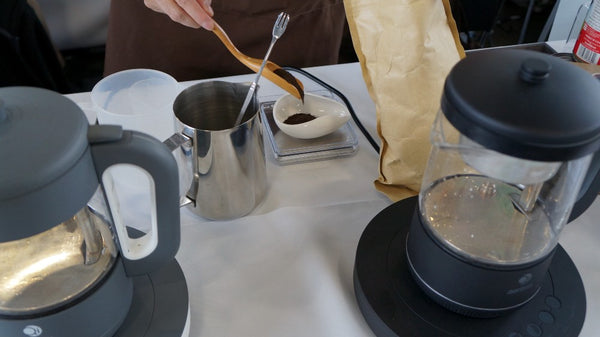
column 111, row 145
column 589, row 188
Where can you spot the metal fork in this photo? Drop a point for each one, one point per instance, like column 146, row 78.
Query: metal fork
column 278, row 30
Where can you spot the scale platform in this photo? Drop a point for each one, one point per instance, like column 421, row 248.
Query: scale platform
column 394, row 305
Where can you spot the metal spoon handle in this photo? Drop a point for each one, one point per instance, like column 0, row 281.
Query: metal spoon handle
column 278, row 30
column 246, row 102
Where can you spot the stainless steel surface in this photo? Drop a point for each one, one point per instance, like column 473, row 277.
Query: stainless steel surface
column 181, row 146
column 228, row 163
column 177, row 140
column 51, row 269
column 278, row 30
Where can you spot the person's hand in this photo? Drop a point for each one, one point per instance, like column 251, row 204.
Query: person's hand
column 191, row 13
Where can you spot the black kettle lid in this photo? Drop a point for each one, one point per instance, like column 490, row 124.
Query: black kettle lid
column 525, row 104
column 46, row 172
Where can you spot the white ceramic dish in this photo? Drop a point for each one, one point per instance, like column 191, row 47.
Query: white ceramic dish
column 330, row 115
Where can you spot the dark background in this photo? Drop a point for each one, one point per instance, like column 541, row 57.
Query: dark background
column 483, row 23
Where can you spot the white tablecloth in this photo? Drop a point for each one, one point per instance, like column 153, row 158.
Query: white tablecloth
column 286, row 269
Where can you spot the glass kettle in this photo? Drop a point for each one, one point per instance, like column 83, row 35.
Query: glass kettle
column 512, row 143
column 66, row 256
column 47, row 270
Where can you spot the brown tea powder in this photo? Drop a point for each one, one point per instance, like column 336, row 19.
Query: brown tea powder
column 299, row 118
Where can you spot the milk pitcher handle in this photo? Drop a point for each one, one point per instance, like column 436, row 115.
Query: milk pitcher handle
column 111, row 145
column 173, row 143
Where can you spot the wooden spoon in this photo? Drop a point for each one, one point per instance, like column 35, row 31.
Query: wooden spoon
column 272, row 72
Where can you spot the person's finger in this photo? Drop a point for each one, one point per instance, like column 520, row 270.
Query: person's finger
column 207, row 7
column 173, row 10
column 195, row 10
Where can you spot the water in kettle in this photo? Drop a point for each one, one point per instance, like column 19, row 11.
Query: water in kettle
column 50, row 269
column 481, row 218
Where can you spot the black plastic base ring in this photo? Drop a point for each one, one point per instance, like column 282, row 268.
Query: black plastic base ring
column 394, row 305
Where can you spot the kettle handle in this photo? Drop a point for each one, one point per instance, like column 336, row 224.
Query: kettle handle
column 589, row 188
column 111, row 145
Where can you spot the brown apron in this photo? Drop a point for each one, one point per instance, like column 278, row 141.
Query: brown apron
column 141, row 38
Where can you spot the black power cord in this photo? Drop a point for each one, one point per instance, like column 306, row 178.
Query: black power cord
column 340, row 96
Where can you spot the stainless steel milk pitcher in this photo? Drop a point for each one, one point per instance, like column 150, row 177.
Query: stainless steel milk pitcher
column 228, row 161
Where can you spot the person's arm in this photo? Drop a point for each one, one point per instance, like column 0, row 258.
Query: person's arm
column 191, row 13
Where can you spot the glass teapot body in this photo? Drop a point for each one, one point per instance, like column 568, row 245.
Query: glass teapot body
column 484, row 234
column 52, row 269
column 511, row 149
column 491, row 208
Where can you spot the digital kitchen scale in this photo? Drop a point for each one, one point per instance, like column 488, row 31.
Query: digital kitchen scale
column 394, row 305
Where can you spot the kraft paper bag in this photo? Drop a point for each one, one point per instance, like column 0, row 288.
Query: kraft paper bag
column 405, row 48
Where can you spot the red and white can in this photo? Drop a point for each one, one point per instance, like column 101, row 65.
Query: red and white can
column 587, row 47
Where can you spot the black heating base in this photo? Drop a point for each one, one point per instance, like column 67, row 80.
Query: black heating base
column 160, row 305
column 394, row 305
